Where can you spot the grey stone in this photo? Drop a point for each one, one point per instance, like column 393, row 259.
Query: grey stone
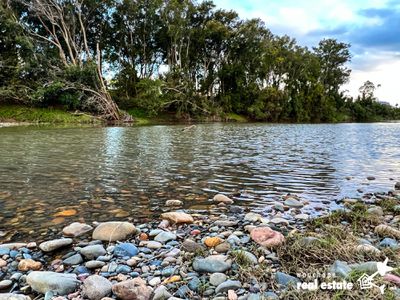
column 5, row 284
column 165, row 236
column 73, row 260
column 389, row 243
column 96, row 287
column 12, row 296
column 43, row 282
column 368, row 267
column 212, row 264
column 340, row 269
column 95, row 264
column 161, row 293
column 54, row 244
column 217, row 278
column 291, row 202
column 93, row 251
column 228, row 285
column 285, row 279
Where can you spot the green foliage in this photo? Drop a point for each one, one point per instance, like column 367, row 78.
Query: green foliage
column 180, row 56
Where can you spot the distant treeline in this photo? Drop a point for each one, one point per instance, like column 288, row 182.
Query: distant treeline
column 180, row 56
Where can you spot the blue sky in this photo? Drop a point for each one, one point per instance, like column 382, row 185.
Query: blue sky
column 372, row 27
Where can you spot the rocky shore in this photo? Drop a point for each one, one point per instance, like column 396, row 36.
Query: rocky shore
column 228, row 254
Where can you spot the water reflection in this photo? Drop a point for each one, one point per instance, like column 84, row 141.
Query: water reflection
column 120, row 173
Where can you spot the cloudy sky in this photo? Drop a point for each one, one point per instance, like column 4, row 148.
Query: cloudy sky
column 372, row 27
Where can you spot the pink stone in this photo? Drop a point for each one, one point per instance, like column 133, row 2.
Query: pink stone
column 392, row 278
column 267, row 237
column 135, row 289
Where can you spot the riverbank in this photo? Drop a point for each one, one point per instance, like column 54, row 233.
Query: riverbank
column 228, row 254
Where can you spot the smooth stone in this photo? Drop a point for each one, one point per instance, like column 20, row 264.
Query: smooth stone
column 154, row 232
column 173, row 203
column 223, row 248
column 165, row 236
column 225, row 223
column 161, row 293
column 113, row 231
column 220, row 198
column 125, row 250
column 217, row 278
column 228, row 285
column 96, row 287
column 5, row 284
column 123, row 269
column 386, row 230
column 4, row 251
column 29, row 264
column 93, row 251
column 250, row 257
column 133, row 289
column 285, row 279
column 13, row 246
column 212, row 264
column 183, row 292
column 191, row 246
column 270, row 296
column 293, row 203
column 174, row 252
column 44, row 281
column 367, row 249
column 177, row 217
column 279, row 220
column 76, row 229
column 376, row 211
column 73, row 260
column 154, row 245
column 252, row 217
column 155, row 281
column 94, row 264
column 302, row 217
column 267, row 237
column 80, row 270
column 55, row 244
column 194, row 284
column 168, row 271
column 389, row 243
column 368, row 267
column 340, row 269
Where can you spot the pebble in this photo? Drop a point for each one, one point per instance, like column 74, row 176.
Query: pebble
column 125, row 250
column 165, row 236
column 217, row 278
column 212, row 264
column 113, row 231
column 93, row 251
column 55, row 244
column 4, row 284
column 44, row 281
column 228, row 285
column 96, row 287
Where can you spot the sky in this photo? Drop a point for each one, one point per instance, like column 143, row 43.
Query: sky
column 372, row 27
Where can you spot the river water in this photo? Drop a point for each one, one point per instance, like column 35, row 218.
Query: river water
column 127, row 173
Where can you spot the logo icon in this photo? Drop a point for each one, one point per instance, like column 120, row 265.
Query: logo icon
column 366, row 281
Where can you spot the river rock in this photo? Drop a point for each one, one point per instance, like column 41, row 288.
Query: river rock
column 96, row 287
column 153, row 245
column 340, row 269
column 161, row 293
column 29, row 265
column 212, row 264
column 250, row 257
column 386, row 230
column 177, row 217
column 228, row 285
column 291, row 202
column 165, row 236
column 285, row 279
column 77, row 229
column 375, row 211
column 220, row 198
column 94, row 264
column 367, row 249
column 223, row 247
column 75, row 259
column 174, row 203
column 125, row 250
column 213, row 241
column 267, row 237
column 113, row 231
column 93, row 251
column 191, row 246
column 279, row 220
column 134, row 289
column 252, row 217
column 217, row 278
column 43, row 282
column 55, row 244
column 13, row 246
column 4, row 284
column 225, row 223
column 390, row 243
column 12, row 296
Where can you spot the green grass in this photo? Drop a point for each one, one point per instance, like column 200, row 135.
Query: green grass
column 14, row 113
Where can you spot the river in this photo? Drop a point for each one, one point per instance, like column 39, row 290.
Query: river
column 120, row 173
